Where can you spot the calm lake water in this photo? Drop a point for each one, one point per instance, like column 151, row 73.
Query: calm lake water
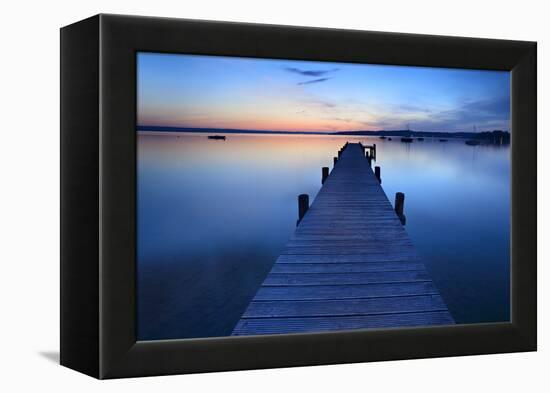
column 214, row 215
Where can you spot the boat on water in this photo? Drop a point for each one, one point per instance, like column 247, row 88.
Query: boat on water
column 443, row 140
column 389, row 139
column 420, row 139
column 382, row 137
column 472, row 142
column 408, row 139
column 220, row 137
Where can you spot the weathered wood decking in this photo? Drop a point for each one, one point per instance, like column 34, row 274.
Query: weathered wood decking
column 349, row 265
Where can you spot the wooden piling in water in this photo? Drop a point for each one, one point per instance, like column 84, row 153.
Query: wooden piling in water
column 377, row 174
column 371, row 151
column 399, row 206
column 303, row 206
column 368, row 157
column 324, row 174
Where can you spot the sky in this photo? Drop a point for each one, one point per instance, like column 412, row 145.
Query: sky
column 288, row 95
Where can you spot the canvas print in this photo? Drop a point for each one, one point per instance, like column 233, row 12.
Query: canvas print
column 280, row 196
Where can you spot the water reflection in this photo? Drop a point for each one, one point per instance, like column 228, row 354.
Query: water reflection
column 214, row 215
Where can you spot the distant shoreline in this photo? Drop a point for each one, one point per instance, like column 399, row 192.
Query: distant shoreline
column 225, row 131
column 489, row 135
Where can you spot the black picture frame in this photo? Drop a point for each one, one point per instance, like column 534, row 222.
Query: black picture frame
column 98, row 186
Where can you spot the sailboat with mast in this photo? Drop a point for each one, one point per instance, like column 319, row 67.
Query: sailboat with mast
column 408, row 138
column 473, row 142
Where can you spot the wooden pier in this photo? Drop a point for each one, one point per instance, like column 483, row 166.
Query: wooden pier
column 349, row 265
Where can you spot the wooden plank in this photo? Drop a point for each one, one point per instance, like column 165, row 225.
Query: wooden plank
column 246, row 326
column 342, row 267
column 345, row 278
column 318, row 292
column 349, row 258
column 342, row 307
column 349, row 265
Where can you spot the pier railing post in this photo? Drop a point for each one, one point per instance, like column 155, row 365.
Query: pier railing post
column 335, row 161
column 377, row 174
column 399, row 205
column 303, row 206
column 324, row 175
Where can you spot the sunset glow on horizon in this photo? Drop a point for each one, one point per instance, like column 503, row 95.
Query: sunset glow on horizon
column 194, row 91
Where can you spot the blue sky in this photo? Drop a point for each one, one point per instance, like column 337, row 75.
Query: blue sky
column 288, row 95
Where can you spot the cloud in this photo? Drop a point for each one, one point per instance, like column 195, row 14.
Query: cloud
column 485, row 114
column 495, row 107
column 309, row 72
column 316, row 104
column 494, row 112
column 313, row 81
column 344, row 119
column 323, row 103
column 411, row 108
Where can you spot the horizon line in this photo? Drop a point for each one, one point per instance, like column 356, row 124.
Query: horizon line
column 182, row 128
